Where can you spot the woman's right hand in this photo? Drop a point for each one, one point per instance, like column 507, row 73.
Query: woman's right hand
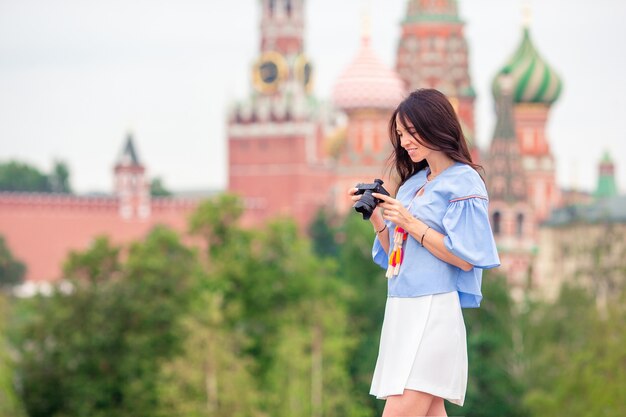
column 376, row 218
column 352, row 194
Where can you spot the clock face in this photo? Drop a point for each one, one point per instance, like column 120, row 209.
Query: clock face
column 269, row 70
column 304, row 72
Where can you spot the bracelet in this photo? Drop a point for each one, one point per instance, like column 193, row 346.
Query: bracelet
column 422, row 239
column 381, row 230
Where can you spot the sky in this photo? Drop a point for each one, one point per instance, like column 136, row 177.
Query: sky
column 77, row 75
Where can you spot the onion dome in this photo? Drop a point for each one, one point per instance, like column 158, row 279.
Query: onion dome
column 367, row 83
column 534, row 81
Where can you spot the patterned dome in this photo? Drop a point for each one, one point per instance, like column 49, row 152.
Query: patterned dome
column 368, row 84
column 533, row 79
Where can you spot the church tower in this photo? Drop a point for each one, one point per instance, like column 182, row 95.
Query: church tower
column 433, row 53
column 277, row 161
column 606, row 187
column 131, row 187
column 536, row 86
column 368, row 92
column 512, row 218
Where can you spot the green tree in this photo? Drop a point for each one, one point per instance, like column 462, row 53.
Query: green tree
column 98, row 265
column 323, row 234
column 269, row 333
column 214, row 376
column 304, row 346
column 366, row 303
column 96, row 348
column 494, row 387
column 18, row 176
column 157, row 188
column 12, row 271
column 10, row 406
column 576, row 355
column 214, row 221
column 59, row 179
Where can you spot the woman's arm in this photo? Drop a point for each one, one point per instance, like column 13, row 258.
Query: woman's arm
column 431, row 239
column 380, row 227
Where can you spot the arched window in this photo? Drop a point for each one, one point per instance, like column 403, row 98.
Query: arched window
column 496, row 223
column 519, row 225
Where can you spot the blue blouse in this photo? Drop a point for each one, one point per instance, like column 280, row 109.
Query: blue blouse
column 455, row 204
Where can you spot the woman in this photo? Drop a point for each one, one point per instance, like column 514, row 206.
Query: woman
column 434, row 239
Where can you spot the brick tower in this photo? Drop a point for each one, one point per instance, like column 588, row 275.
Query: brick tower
column 367, row 92
column 433, row 53
column 512, row 217
column 277, row 161
column 535, row 88
column 131, row 187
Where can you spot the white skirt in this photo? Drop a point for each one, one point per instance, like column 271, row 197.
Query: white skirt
column 422, row 348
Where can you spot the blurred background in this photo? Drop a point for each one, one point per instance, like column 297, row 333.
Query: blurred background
column 174, row 233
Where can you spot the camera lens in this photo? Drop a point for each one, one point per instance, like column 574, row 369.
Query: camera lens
column 366, row 205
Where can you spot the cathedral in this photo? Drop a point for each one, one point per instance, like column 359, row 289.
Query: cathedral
column 290, row 154
column 285, row 153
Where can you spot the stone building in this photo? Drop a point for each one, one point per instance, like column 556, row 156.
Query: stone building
column 584, row 243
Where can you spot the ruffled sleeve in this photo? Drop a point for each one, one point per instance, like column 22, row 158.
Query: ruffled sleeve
column 468, row 232
column 378, row 253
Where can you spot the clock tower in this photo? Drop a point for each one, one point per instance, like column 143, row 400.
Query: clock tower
column 281, row 62
column 277, row 161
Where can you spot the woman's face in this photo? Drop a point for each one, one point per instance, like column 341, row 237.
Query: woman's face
column 417, row 152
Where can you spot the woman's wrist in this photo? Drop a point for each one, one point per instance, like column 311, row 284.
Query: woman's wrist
column 417, row 227
column 377, row 221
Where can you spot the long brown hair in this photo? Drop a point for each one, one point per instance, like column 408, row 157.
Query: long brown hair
column 436, row 126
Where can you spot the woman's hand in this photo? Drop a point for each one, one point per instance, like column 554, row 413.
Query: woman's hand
column 395, row 211
column 376, row 219
column 353, row 197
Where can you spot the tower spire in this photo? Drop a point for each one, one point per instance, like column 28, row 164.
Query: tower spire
column 131, row 185
column 129, row 155
column 526, row 14
column 366, row 22
column 507, row 176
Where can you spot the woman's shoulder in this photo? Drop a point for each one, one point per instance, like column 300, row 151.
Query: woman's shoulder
column 464, row 181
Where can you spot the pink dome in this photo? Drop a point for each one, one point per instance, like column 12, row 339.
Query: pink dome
column 367, row 83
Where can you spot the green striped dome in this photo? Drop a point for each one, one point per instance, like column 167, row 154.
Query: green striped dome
column 533, row 79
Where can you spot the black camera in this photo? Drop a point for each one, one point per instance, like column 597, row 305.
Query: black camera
column 368, row 202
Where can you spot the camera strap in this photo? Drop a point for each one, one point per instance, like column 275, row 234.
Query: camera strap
column 399, row 237
column 397, row 254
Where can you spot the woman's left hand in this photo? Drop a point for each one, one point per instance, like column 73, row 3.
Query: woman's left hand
column 395, row 211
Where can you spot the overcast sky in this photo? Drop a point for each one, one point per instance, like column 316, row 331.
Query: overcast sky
column 76, row 75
